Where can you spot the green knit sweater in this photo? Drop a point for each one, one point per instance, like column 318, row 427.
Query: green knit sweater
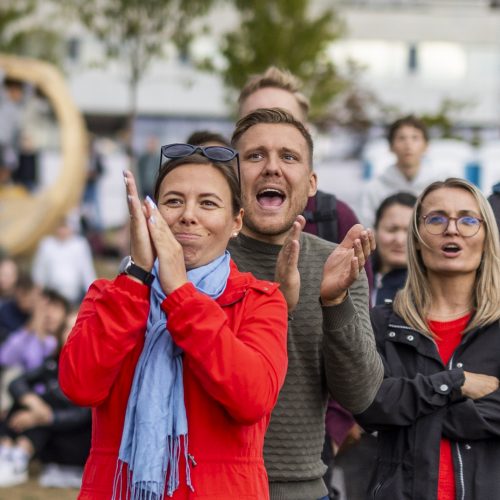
column 331, row 350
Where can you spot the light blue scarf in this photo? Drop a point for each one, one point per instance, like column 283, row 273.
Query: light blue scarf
column 156, row 419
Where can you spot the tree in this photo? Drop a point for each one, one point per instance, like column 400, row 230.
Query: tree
column 283, row 33
column 137, row 31
column 441, row 122
column 24, row 31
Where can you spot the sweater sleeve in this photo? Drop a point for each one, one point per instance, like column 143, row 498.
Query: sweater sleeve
column 243, row 369
column 354, row 370
column 110, row 325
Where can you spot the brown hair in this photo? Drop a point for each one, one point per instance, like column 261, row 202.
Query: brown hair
column 407, row 121
column 226, row 169
column 271, row 116
column 202, row 137
column 279, row 79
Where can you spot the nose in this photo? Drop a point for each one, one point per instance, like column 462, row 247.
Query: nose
column 272, row 166
column 452, row 227
column 401, row 237
column 188, row 215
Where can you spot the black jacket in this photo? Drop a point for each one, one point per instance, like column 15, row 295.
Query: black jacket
column 420, row 401
column 390, row 283
column 43, row 381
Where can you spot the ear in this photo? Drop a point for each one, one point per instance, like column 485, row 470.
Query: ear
column 313, row 184
column 238, row 222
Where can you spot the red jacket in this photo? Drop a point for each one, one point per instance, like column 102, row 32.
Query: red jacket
column 235, row 362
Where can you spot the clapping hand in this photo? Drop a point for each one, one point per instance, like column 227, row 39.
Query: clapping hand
column 171, row 266
column 287, row 272
column 141, row 248
column 344, row 264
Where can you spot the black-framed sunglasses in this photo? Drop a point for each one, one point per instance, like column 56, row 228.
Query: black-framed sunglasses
column 467, row 225
column 214, row 153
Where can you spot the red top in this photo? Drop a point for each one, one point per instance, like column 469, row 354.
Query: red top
column 448, row 337
column 235, row 361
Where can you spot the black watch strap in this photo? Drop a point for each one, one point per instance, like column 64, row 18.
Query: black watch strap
column 128, row 266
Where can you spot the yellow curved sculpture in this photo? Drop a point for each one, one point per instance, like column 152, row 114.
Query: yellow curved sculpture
column 25, row 218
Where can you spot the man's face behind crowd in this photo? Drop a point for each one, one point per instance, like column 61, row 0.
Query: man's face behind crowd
column 276, row 179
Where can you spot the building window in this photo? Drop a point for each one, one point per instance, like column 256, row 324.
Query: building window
column 413, row 58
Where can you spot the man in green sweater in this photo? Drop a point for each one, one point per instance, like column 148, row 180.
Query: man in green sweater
column 331, row 348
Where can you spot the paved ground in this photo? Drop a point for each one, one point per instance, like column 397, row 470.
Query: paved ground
column 31, row 491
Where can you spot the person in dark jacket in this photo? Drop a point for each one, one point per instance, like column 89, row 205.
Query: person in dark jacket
column 437, row 411
column 392, row 221
column 44, row 423
column 494, row 200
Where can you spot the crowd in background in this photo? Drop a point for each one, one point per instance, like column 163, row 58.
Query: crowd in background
column 38, row 302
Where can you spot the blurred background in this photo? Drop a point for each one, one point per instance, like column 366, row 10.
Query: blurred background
column 147, row 73
column 88, row 89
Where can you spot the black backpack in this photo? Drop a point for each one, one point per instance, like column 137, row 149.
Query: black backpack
column 325, row 216
column 494, row 200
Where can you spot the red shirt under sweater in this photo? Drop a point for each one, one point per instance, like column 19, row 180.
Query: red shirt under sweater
column 448, row 335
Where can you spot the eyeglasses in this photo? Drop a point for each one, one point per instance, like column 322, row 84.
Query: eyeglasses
column 214, row 153
column 467, row 225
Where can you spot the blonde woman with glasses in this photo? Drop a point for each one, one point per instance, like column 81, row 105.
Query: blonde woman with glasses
column 437, row 411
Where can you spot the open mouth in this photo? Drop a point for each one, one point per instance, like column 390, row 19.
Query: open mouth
column 451, row 248
column 271, row 197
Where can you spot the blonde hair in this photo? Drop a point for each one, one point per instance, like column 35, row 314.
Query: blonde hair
column 279, row 79
column 412, row 303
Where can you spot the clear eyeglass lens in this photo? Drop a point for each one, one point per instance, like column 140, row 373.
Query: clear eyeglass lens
column 467, row 226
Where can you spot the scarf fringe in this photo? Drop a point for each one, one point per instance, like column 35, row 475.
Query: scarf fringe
column 155, row 490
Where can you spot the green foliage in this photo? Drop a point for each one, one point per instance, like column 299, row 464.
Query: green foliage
column 138, row 30
column 24, row 33
column 283, row 33
column 441, row 123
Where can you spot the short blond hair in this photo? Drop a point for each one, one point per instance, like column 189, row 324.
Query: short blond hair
column 276, row 78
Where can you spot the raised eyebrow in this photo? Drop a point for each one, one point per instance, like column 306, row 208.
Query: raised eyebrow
column 290, row 150
column 461, row 213
column 201, row 195
column 211, row 195
column 252, row 149
column 170, row 193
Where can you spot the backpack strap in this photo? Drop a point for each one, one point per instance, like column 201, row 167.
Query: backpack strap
column 325, row 216
column 494, row 200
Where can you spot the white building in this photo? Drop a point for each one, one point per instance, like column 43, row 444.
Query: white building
column 416, row 53
column 419, row 52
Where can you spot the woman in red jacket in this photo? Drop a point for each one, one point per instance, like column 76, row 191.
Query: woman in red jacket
column 180, row 340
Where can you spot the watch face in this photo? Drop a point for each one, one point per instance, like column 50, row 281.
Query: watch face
column 125, row 264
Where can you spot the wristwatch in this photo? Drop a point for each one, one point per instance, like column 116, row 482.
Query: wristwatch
column 128, row 266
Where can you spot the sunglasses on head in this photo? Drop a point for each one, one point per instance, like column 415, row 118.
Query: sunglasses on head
column 214, row 153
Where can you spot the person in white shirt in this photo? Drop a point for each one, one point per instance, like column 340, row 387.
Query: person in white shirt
column 408, row 139
column 63, row 262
